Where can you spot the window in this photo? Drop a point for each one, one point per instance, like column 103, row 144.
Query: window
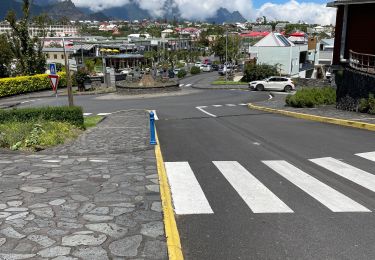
column 55, row 56
column 47, row 55
column 62, row 56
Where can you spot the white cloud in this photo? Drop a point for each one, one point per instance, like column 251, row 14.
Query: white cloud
column 200, row 9
column 294, row 11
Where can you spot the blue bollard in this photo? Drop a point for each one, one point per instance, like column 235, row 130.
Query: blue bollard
column 152, row 128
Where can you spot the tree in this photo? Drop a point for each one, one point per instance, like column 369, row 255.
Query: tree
column 27, row 50
column 258, row 71
column 222, row 46
column 6, row 57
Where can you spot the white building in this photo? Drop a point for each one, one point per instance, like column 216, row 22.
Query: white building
column 52, row 30
column 275, row 49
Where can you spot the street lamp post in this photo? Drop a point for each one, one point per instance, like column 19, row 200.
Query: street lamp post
column 226, row 56
column 68, row 80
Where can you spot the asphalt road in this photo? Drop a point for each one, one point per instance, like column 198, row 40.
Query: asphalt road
column 244, row 185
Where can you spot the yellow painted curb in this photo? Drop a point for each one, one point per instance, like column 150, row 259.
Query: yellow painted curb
column 171, row 231
column 343, row 122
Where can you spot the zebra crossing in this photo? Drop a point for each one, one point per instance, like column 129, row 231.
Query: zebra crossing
column 186, row 85
column 189, row 197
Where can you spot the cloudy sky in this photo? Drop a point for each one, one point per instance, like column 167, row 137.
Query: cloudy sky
column 311, row 11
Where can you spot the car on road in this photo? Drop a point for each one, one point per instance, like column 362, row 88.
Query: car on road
column 225, row 70
column 273, row 83
column 126, row 71
column 215, row 67
column 206, row 68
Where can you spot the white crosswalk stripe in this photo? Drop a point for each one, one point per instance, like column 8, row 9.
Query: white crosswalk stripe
column 257, row 196
column 369, row 156
column 187, row 194
column 329, row 197
column 104, row 114
column 347, row 171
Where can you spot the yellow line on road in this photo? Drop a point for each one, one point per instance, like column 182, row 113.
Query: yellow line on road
column 171, row 231
column 323, row 119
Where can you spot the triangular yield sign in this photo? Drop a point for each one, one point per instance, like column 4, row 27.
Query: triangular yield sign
column 54, row 80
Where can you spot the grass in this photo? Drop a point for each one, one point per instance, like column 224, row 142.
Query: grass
column 223, row 82
column 34, row 136
column 91, row 121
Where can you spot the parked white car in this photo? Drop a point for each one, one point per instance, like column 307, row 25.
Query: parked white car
column 273, row 83
column 206, row 68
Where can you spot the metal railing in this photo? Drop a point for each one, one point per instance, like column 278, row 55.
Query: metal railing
column 361, row 61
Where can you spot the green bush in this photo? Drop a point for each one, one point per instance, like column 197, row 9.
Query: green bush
column 195, row 70
column 24, row 84
column 367, row 105
column 258, row 71
column 72, row 115
column 181, row 73
column 311, row 97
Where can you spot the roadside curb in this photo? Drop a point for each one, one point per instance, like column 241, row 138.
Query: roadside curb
column 220, row 88
column 329, row 120
column 171, row 231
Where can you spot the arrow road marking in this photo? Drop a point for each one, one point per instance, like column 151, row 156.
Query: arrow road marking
column 204, row 111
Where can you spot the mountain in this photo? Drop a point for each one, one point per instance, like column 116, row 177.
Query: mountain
column 7, row 5
column 58, row 9
column 62, row 9
column 129, row 11
column 224, row 16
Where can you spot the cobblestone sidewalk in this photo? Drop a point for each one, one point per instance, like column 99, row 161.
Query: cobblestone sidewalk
column 96, row 199
column 278, row 102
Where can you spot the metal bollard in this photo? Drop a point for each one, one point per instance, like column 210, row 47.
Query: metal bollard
column 152, row 128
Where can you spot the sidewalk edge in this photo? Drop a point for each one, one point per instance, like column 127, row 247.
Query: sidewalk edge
column 173, row 237
column 330, row 120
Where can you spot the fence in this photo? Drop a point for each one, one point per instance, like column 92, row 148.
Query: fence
column 362, row 62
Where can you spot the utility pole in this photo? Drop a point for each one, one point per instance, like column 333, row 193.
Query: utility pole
column 68, row 80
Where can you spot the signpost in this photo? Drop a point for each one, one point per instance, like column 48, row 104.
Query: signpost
column 54, row 79
column 52, row 68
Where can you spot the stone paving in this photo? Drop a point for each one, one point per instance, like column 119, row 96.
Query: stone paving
column 278, row 102
column 97, row 198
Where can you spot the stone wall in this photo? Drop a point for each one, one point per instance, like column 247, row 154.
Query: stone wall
column 352, row 85
column 303, row 82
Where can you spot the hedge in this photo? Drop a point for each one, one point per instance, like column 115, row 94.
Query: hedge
column 311, row 97
column 195, row 70
column 72, row 115
column 24, row 84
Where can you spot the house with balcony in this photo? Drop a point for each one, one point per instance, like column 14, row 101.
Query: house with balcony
column 276, row 49
column 354, row 51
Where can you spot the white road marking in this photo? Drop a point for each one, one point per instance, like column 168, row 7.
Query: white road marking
column 230, row 105
column 329, row 197
column 242, row 104
column 87, row 114
column 28, row 101
column 155, row 115
column 347, row 171
column 181, row 85
column 52, row 161
column 217, row 105
column 104, row 114
column 204, row 111
column 257, row 196
column 270, row 97
column 98, row 160
column 188, row 85
column 187, row 194
column 369, row 156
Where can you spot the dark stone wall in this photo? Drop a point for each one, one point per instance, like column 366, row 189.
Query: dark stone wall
column 306, row 82
column 352, row 85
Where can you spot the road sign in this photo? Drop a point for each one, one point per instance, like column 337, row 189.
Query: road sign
column 52, row 68
column 54, row 80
